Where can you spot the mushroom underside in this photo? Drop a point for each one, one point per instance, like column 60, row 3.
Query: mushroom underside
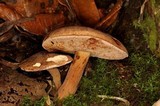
column 96, row 46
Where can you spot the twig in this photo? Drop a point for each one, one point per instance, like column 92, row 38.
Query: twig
column 8, row 63
column 127, row 103
column 113, row 11
column 68, row 6
column 7, row 25
column 142, row 10
column 5, row 37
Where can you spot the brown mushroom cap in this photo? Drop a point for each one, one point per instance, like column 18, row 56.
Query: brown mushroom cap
column 44, row 61
column 77, row 38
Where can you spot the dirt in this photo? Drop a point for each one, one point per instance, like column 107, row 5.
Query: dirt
column 14, row 86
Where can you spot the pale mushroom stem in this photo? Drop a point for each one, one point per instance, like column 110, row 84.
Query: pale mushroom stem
column 56, row 77
column 74, row 75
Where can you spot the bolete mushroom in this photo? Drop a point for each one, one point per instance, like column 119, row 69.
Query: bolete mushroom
column 46, row 61
column 83, row 42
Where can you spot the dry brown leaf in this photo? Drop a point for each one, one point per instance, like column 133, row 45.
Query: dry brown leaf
column 31, row 7
column 7, row 25
column 8, row 13
column 43, row 23
column 86, row 11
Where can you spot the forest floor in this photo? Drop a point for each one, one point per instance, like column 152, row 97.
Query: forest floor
column 135, row 78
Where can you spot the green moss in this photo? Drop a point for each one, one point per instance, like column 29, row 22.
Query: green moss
column 146, row 75
column 149, row 26
column 72, row 101
column 40, row 102
column 105, row 80
column 28, row 102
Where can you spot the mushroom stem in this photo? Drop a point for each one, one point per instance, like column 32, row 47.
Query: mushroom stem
column 74, row 74
column 56, row 77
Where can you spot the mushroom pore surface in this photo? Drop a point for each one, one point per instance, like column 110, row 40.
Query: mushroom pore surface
column 72, row 39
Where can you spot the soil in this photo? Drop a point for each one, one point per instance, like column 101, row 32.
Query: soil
column 14, row 86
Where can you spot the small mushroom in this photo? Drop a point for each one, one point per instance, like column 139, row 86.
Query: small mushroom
column 83, row 42
column 46, row 61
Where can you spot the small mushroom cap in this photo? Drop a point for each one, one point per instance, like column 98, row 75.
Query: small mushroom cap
column 44, row 61
column 77, row 38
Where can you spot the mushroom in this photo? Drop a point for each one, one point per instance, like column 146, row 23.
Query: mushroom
column 46, row 61
column 157, row 103
column 83, row 42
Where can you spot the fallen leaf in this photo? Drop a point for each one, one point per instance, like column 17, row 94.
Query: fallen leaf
column 86, row 11
column 43, row 23
column 8, row 13
column 7, row 25
column 31, row 7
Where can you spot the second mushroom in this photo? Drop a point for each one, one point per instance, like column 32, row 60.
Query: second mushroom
column 46, row 61
column 83, row 42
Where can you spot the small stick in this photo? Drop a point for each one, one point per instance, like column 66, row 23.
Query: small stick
column 9, row 64
column 68, row 6
column 115, row 98
column 142, row 10
column 113, row 11
column 6, row 26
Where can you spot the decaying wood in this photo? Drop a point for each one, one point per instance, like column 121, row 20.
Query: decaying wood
column 74, row 74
